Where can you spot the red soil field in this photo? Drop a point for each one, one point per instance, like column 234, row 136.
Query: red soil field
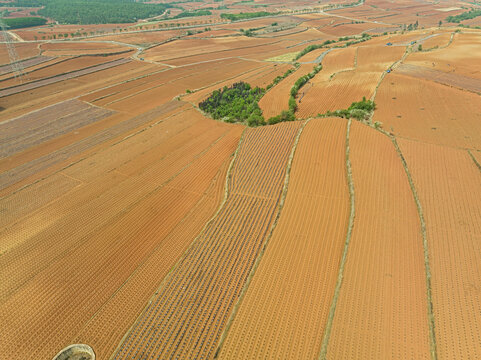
column 260, row 76
column 451, row 79
column 347, row 75
column 30, row 130
column 437, row 41
column 166, row 190
column 461, row 57
column 276, row 99
column 144, row 94
column 428, row 111
column 285, row 308
column 68, row 74
column 339, row 93
column 22, row 103
column 24, row 51
column 47, row 31
column 382, row 311
column 188, row 312
column 447, row 181
column 140, row 38
column 372, row 58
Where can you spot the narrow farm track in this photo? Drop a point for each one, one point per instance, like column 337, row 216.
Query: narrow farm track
column 381, row 310
column 286, row 304
column 448, row 184
column 185, row 318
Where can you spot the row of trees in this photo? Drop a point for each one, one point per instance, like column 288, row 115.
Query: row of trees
column 244, row 16
column 471, row 14
column 360, row 110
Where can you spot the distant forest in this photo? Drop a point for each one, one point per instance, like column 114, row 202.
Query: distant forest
column 93, row 11
column 23, row 22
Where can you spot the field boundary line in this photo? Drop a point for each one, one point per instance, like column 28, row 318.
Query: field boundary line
column 431, row 324
column 474, row 159
column 169, row 274
column 264, row 245
column 350, row 226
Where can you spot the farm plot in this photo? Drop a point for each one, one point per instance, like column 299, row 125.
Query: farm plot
column 376, row 58
column 256, row 52
column 345, row 28
column 140, row 38
column 381, row 311
column 106, row 245
column 62, row 67
column 428, row 111
column 25, row 102
column 166, row 85
column 189, row 311
column 35, row 166
column 33, row 129
column 448, row 185
column 24, row 51
column 191, row 47
column 5, row 69
column 451, row 79
column 439, row 41
column 58, row 78
column 260, row 76
column 285, row 308
column 276, row 99
column 460, row 58
column 77, row 48
column 317, row 97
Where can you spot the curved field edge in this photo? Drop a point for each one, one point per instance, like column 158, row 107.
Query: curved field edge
column 350, row 226
column 179, row 261
column 265, row 244
column 432, row 333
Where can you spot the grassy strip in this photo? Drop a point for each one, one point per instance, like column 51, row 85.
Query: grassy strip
column 279, row 78
column 350, row 226
column 432, row 335
column 264, row 245
column 475, row 161
column 313, row 47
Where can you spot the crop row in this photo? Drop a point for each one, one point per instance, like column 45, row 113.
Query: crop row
column 186, row 317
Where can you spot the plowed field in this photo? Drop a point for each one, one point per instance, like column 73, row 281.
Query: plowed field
column 428, row 111
column 97, row 232
column 381, row 312
column 285, row 308
column 449, row 188
column 188, row 312
column 277, row 98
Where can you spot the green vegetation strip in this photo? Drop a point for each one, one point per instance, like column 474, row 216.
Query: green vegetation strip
column 266, row 241
column 350, row 226
column 432, row 337
column 471, row 14
column 23, row 22
column 475, row 161
column 244, row 16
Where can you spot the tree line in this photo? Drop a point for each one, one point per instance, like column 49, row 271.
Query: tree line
column 93, row 11
column 23, row 22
